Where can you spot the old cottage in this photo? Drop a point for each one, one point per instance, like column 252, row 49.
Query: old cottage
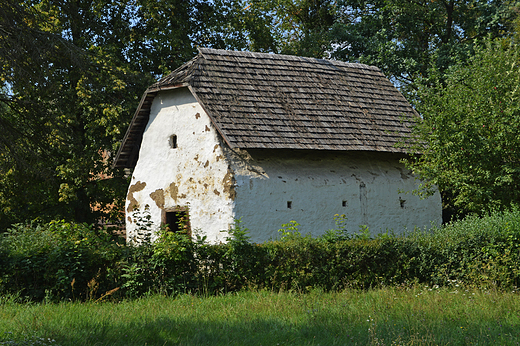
column 268, row 139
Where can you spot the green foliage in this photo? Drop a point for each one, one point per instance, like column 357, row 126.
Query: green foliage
column 476, row 251
column 57, row 260
column 300, row 27
column 241, row 259
column 72, row 74
column 241, row 24
column 408, row 38
column 166, row 266
column 470, row 130
column 174, row 262
column 67, row 94
column 60, row 260
column 238, row 235
column 289, row 231
column 340, row 233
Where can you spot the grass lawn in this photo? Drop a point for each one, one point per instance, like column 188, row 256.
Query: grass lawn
column 390, row 316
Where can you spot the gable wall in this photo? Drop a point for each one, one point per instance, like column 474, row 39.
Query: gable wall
column 363, row 186
column 194, row 175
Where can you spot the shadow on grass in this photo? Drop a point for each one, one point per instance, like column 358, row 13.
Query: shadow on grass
column 170, row 332
column 198, row 331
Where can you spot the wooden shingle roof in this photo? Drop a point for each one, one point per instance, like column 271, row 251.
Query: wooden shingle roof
column 258, row 100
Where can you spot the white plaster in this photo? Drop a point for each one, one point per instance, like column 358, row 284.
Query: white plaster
column 318, row 183
column 197, row 167
column 219, row 184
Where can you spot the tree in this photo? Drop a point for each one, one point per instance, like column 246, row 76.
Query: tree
column 469, row 135
column 72, row 74
column 165, row 34
column 242, row 24
column 406, row 38
column 297, row 27
column 66, row 97
column 305, row 26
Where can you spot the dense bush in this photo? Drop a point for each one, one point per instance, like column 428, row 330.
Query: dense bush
column 60, row 260
column 57, row 259
column 475, row 251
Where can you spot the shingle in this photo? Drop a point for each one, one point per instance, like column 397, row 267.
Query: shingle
column 260, row 100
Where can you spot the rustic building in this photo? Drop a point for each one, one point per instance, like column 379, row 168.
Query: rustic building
column 269, row 139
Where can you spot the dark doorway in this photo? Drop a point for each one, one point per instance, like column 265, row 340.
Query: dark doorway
column 178, row 221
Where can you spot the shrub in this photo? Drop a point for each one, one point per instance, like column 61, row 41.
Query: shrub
column 476, row 251
column 58, row 259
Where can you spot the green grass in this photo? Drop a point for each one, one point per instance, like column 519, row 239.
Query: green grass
column 389, row 316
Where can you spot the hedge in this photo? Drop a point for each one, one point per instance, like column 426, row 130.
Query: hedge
column 60, row 260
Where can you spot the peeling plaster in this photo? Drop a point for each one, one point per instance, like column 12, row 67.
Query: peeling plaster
column 174, row 191
column 229, row 184
column 130, row 197
column 158, row 197
column 189, row 175
column 220, row 184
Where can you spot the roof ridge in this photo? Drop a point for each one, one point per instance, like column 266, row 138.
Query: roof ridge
column 182, row 73
column 258, row 55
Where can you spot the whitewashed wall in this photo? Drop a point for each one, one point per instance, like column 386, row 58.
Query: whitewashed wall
column 363, row 186
column 195, row 174
column 218, row 184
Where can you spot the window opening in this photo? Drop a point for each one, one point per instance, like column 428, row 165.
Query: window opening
column 344, row 203
column 178, row 221
column 173, row 141
column 289, row 204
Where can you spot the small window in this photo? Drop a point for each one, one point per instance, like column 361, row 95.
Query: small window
column 289, row 204
column 343, row 203
column 173, row 141
column 177, row 221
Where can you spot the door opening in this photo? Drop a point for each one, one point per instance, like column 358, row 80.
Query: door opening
column 177, row 220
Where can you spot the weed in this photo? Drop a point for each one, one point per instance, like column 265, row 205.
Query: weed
column 289, row 231
column 340, row 233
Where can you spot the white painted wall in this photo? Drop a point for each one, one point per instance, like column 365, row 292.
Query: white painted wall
column 318, row 183
column 194, row 174
column 219, row 184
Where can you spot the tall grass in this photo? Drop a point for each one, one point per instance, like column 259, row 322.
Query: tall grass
column 389, row 316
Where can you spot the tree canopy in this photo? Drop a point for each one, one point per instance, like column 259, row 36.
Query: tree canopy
column 406, row 38
column 66, row 92
column 72, row 75
column 469, row 134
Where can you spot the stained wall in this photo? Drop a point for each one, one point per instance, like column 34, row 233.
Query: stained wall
column 371, row 189
column 188, row 171
column 195, row 170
